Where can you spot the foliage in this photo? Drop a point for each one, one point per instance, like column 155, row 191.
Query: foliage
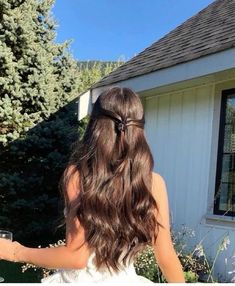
column 232, row 272
column 39, row 84
column 194, row 261
column 37, row 79
column 32, row 168
column 12, row 273
column 92, row 71
column 146, row 266
column 196, row 265
column 37, row 76
column 191, row 277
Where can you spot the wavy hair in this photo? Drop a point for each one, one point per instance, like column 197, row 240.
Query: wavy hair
column 115, row 205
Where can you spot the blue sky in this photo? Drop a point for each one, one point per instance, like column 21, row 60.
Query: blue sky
column 114, row 29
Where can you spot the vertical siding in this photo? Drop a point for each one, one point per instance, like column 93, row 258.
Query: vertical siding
column 175, row 121
column 178, row 131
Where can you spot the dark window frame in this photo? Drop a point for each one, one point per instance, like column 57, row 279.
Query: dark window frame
column 216, row 210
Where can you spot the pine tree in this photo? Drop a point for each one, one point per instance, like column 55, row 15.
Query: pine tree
column 38, row 78
column 92, row 71
column 34, row 77
column 39, row 84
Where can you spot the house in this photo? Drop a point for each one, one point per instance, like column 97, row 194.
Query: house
column 186, row 81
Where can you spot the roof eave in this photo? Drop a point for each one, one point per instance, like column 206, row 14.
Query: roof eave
column 199, row 67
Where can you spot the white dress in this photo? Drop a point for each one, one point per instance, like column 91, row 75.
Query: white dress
column 91, row 276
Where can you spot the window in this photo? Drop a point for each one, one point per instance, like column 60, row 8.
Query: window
column 224, row 202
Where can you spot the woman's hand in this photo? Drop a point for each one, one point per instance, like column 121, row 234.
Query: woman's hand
column 8, row 249
column 60, row 257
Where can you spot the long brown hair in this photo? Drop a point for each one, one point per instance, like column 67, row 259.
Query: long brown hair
column 115, row 205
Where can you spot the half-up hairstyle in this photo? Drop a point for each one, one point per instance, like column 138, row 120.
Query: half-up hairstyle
column 115, row 205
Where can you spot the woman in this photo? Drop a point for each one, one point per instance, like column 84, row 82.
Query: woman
column 115, row 203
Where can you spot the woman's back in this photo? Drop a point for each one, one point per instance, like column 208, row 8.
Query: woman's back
column 90, row 273
column 115, row 204
column 114, row 164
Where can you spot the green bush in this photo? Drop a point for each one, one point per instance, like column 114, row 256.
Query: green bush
column 39, row 84
column 145, row 265
column 191, row 277
column 38, row 78
column 12, row 273
column 196, row 266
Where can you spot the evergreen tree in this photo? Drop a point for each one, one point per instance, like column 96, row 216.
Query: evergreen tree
column 37, row 79
column 92, row 71
column 39, row 83
column 37, row 76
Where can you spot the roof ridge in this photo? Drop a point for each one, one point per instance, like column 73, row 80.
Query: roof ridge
column 150, row 58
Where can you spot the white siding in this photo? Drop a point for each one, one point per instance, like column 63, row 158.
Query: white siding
column 84, row 104
column 178, row 129
column 179, row 132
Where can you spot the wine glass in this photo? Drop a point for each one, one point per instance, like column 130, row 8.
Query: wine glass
column 6, row 235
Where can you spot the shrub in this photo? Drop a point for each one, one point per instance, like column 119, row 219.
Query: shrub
column 196, row 265
column 39, row 84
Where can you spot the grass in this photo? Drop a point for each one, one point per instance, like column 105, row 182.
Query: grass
column 12, row 273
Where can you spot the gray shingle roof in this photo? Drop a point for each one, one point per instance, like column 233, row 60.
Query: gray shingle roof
column 209, row 31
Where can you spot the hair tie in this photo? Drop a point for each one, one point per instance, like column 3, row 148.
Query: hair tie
column 120, row 123
column 122, row 126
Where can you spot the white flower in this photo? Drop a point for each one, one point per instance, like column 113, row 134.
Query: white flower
column 225, row 243
column 233, row 278
column 233, row 271
column 199, row 251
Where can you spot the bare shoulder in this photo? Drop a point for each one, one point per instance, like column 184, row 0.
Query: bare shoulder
column 73, row 183
column 158, row 185
column 159, row 192
column 157, row 178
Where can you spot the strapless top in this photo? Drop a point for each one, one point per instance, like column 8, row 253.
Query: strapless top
column 90, row 275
